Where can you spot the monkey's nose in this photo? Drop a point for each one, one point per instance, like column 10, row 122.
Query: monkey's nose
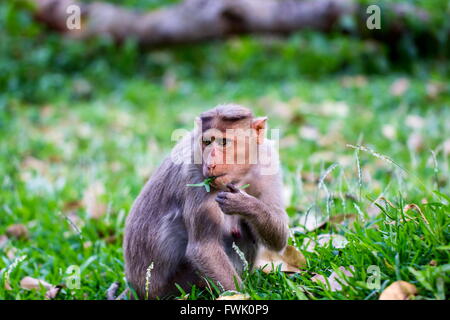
column 211, row 167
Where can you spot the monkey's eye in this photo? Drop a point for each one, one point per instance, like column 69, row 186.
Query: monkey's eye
column 207, row 142
column 223, row 142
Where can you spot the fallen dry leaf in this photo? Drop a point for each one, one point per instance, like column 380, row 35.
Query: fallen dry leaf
column 386, row 201
column 18, row 231
column 31, row 163
column 309, row 133
column 29, row 283
column 3, row 241
column 446, row 147
column 415, row 142
column 415, row 122
column 338, row 109
column 185, row 297
column 413, row 206
column 87, row 244
column 354, row 81
column 373, row 210
column 389, row 131
column 52, row 292
column 311, row 222
column 285, row 110
column 111, row 239
column 7, row 285
column 289, row 141
column 333, row 136
column 290, row 260
column 236, row 296
column 92, row 200
column 11, row 253
column 399, row 87
column 322, row 156
column 434, row 89
column 335, row 281
column 116, row 166
column 170, row 80
column 400, row 220
column 73, row 205
column 47, row 111
column 340, row 218
column 75, row 221
column 399, row 290
column 312, row 177
column 336, row 240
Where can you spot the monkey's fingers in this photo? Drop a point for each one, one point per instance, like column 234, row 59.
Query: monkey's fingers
column 220, row 200
column 232, row 188
column 222, row 194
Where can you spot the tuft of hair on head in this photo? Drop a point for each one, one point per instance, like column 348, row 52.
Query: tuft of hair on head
column 227, row 112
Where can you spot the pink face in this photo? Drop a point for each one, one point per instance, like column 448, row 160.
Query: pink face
column 226, row 156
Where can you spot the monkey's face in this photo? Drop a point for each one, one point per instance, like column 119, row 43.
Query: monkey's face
column 228, row 156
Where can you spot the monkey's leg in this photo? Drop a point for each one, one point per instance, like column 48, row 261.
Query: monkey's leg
column 212, row 262
column 186, row 276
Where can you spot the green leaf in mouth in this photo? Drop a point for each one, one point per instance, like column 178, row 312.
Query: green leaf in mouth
column 201, row 184
column 205, row 183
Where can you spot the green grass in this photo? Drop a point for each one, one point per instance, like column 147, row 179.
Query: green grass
column 76, row 117
column 118, row 138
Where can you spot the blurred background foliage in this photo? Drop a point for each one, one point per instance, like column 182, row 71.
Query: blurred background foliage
column 84, row 123
column 36, row 62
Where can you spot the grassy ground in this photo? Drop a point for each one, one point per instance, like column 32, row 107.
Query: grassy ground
column 65, row 163
column 83, row 125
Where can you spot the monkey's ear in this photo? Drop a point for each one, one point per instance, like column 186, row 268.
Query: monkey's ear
column 259, row 124
column 198, row 124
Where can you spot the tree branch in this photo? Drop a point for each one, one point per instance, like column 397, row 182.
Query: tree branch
column 199, row 20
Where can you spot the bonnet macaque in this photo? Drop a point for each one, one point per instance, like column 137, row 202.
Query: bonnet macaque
column 187, row 233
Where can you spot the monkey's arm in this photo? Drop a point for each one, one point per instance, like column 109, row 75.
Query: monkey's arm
column 204, row 249
column 266, row 215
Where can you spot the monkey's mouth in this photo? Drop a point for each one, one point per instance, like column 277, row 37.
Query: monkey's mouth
column 216, row 181
column 213, row 178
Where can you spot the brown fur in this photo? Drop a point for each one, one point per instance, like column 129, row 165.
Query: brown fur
column 188, row 233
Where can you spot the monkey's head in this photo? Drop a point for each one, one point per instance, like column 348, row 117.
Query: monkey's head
column 230, row 136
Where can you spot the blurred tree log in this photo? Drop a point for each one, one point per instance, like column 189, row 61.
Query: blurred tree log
column 201, row 20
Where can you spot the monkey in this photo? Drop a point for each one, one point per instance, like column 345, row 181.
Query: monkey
column 180, row 235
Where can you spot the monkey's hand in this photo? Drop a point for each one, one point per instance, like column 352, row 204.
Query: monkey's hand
column 234, row 202
column 270, row 222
